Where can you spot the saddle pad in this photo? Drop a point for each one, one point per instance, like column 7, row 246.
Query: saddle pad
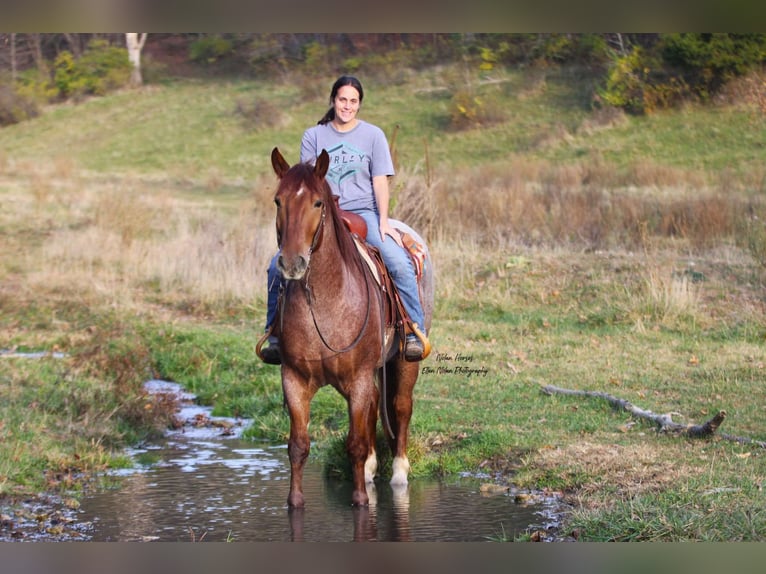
column 361, row 246
column 417, row 252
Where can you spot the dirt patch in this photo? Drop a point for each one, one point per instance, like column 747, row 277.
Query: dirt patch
column 620, row 471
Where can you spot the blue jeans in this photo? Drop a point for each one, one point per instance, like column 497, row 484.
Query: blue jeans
column 397, row 262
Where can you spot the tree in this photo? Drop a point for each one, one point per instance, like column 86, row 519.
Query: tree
column 135, row 42
column 13, row 56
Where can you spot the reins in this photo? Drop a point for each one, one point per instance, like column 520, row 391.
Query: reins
column 367, row 277
column 359, row 335
column 310, row 298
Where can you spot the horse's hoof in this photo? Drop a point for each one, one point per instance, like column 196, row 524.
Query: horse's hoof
column 296, row 501
column 401, row 469
column 360, row 499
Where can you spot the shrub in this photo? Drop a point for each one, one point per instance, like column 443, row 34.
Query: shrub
column 101, row 68
column 707, row 61
column 467, row 110
column 36, row 86
column 639, row 84
column 210, row 49
column 680, row 67
column 626, row 81
column 66, row 76
column 14, row 106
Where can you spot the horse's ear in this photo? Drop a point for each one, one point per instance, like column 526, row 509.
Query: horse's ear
column 278, row 163
column 322, row 164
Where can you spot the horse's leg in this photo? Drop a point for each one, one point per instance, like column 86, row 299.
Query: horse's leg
column 371, row 464
column 358, row 441
column 401, row 382
column 298, row 398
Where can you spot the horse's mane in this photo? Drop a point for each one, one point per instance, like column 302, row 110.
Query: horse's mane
column 304, row 174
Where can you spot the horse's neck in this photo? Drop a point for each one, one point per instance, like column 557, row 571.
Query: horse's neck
column 330, row 273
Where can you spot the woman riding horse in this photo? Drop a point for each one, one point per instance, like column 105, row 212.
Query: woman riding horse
column 333, row 329
column 360, row 164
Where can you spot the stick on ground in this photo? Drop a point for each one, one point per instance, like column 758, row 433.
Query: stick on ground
column 664, row 422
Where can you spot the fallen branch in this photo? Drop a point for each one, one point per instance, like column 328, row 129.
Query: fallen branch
column 664, row 422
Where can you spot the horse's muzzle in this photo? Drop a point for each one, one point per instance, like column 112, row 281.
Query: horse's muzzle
column 294, row 268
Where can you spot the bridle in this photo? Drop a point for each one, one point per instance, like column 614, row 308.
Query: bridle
column 304, row 282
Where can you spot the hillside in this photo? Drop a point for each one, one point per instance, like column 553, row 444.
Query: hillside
column 194, row 129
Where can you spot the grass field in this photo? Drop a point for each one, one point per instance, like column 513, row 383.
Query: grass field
column 576, row 247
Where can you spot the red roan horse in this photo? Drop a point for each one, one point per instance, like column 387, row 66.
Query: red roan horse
column 332, row 329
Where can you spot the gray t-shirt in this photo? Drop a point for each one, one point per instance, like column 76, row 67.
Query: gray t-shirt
column 356, row 156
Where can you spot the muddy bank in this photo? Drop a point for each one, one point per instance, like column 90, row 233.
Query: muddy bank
column 42, row 518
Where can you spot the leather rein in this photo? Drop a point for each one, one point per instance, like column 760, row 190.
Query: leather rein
column 310, row 298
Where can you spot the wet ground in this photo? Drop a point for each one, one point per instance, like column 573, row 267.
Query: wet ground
column 203, row 482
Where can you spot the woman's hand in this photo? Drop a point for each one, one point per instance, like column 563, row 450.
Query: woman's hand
column 386, row 229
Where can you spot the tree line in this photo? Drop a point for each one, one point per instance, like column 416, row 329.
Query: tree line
column 639, row 72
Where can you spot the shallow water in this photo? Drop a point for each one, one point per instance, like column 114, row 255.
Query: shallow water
column 199, row 484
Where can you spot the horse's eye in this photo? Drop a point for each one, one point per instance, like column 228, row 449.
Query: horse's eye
column 318, row 203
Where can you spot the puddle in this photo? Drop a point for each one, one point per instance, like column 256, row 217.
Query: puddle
column 203, row 482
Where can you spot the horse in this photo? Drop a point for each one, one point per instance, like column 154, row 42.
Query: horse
column 333, row 330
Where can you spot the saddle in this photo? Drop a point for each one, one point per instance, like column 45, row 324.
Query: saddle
column 395, row 314
column 355, row 223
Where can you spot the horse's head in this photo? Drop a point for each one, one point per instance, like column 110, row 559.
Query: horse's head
column 301, row 200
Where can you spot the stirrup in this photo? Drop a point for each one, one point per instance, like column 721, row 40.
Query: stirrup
column 417, row 351
column 272, row 354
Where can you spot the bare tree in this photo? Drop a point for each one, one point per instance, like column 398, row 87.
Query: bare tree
column 75, row 43
column 35, row 44
column 13, row 56
column 135, row 42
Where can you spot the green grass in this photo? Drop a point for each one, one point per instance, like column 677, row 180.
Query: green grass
column 699, row 511
column 152, row 132
column 59, row 425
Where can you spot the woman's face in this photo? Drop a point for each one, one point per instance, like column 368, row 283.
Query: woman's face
column 346, row 106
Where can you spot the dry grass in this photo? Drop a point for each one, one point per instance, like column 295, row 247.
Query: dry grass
column 118, row 243
column 624, row 471
column 586, row 205
column 748, row 91
column 124, row 241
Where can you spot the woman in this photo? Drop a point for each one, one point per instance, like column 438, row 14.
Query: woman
column 360, row 164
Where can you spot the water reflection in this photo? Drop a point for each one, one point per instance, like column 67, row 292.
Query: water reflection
column 231, row 490
column 365, row 520
column 197, row 484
